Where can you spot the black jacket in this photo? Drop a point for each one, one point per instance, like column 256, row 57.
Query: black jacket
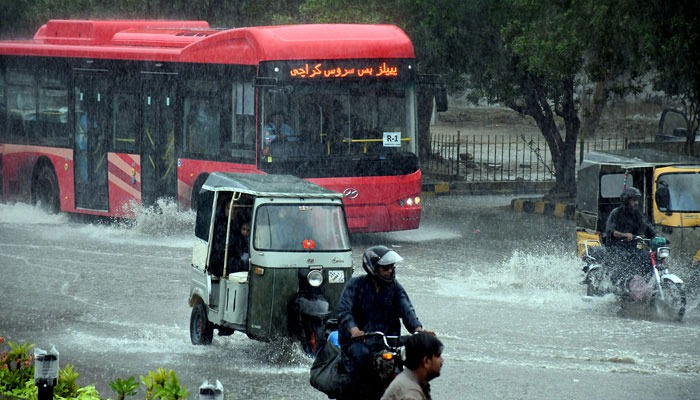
column 362, row 306
column 622, row 219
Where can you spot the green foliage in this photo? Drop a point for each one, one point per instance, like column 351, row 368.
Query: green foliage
column 67, row 386
column 124, row 388
column 28, row 391
column 85, row 393
column 672, row 43
column 17, row 379
column 15, row 367
column 163, row 384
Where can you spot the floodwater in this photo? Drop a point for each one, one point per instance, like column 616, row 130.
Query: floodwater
column 499, row 288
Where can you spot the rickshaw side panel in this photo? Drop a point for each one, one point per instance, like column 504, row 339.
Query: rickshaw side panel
column 200, row 250
column 583, row 237
column 588, row 188
column 198, row 287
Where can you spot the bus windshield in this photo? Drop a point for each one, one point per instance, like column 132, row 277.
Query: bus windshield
column 294, row 227
column 684, row 191
column 322, row 127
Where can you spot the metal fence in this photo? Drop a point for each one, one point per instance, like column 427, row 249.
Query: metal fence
column 500, row 158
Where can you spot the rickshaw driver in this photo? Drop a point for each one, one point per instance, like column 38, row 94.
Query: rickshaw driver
column 372, row 302
column 623, row 225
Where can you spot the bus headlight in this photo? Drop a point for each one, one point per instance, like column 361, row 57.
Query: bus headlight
column 315, row 278
column 663, row 252
column 409, row 201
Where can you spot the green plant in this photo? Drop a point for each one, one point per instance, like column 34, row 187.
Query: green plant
column 67, row 386
column 163, row 384
column 17, row 379
column 86, row 393
column 16, row 367
column 124, row 387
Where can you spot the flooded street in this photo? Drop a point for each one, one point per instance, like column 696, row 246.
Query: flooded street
column 501, row 290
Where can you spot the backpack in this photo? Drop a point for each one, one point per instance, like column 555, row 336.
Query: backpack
column 327, row 373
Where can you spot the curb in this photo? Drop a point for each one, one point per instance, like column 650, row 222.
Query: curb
column 554, row 209
column 435, row 188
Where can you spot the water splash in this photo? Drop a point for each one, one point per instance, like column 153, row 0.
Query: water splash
column 545, row 276
column 21, row 213
column 164, row 218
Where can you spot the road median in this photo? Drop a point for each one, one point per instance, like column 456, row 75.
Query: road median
column 557, row 209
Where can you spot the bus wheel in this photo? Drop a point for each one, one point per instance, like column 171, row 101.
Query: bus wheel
column 45, row 190
column 194, row 200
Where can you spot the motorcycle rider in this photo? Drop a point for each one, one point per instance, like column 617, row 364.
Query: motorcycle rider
column 623, row 225
column 372, row 302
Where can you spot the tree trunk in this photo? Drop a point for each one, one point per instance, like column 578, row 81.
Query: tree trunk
column 563, row 151
column 592, row 109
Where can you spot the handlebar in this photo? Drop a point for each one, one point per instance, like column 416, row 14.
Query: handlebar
column 648, row 242
column 385, row 338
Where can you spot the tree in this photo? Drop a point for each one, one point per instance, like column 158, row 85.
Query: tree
column 539, row 53
column 534, row 56
column 673, row 42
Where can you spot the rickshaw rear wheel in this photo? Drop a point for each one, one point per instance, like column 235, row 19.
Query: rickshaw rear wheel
column 201, row 329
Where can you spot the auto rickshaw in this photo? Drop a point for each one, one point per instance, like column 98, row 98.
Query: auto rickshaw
column 297, row 263
column 670, row 187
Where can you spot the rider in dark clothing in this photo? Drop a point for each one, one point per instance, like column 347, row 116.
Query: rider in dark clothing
column 623, row 225
column 373, row 302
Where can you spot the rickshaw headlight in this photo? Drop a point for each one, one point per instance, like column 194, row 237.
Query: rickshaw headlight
column 315, row 278
column 664, row 252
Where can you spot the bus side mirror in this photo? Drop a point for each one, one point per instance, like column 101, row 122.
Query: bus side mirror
column 440, row 98
column 663, row 198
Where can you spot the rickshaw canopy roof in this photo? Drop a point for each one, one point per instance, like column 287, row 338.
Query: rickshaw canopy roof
column 637, row 158
column 617, row 161
column 262, row 185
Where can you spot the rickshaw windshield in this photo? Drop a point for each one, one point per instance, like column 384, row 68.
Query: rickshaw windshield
column 683, row 189
column 295, row 227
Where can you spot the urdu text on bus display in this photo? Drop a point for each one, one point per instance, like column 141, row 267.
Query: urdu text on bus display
column 319, row 70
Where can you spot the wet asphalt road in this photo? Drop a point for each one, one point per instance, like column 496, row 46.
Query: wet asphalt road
column 500, row 289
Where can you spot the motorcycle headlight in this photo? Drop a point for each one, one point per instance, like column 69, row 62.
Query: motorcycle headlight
column 315, row 278
column 663, row 252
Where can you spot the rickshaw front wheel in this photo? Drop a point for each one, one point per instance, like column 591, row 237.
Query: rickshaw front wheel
column 201, row 329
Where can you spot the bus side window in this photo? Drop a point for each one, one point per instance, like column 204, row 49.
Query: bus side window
column 125, row 122
column 202, row 126
column 202, row 119
column 21, row 104
column 243, row 137
column 53, row 112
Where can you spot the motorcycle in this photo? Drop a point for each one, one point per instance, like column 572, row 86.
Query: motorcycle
column 657, row 287
column 330, row 377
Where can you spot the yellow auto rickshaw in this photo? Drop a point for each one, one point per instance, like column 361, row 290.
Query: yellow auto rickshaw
column 670, row 187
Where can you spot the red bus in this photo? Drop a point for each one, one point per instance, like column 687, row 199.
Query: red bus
column 97, row 116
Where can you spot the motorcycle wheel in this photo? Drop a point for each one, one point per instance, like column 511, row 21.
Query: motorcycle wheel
column 201, row 329
column 674, row 299
column 595, row 280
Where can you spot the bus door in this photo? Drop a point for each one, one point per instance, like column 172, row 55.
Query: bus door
column 92, row 122
column 158, row 158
